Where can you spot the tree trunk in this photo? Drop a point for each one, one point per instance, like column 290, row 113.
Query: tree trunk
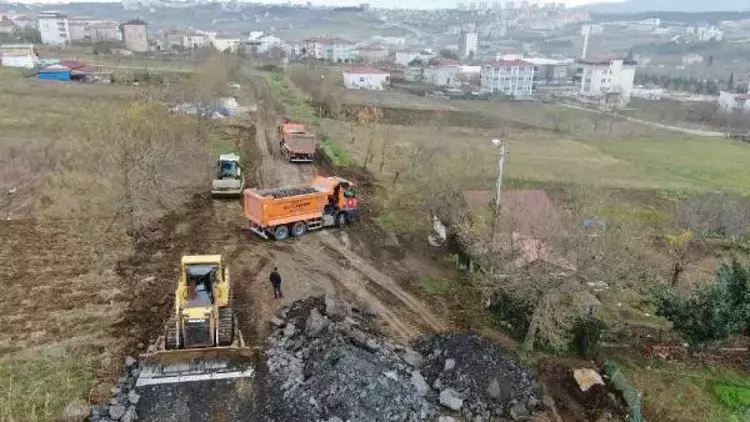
column 528, row 341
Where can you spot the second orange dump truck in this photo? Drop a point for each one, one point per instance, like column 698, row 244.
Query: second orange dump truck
column 296, row 143
column 293, row 211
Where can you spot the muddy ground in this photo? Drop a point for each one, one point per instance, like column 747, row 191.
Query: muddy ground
column 337, row 261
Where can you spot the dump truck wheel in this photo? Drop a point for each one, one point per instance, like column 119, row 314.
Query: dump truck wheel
column 299, row 229
column 281, row 232
column 341, row 219
column 226, row 326
column 170, row 334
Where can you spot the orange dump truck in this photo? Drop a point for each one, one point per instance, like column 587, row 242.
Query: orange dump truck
column 296, row 143
column 281, row 212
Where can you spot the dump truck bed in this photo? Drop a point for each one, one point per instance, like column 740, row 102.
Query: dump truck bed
column 300, row 143
column 273, row 207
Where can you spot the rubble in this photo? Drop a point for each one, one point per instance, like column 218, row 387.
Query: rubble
column 121, row 406
column 340, row 368
column 487, row 379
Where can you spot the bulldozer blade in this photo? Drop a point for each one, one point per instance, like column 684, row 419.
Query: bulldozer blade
column 209, row 364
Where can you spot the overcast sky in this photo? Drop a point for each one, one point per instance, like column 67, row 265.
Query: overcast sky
column 416, row 4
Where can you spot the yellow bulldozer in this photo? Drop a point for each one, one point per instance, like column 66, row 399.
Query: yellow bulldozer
column 201, row 339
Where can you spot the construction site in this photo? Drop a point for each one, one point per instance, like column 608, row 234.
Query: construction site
column 140, row 243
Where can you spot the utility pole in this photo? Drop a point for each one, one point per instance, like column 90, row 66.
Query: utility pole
column 499, row 184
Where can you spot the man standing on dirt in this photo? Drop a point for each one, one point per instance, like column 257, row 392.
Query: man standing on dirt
column 276, row 281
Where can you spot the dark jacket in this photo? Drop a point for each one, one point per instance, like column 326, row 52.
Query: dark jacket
column 275, row 278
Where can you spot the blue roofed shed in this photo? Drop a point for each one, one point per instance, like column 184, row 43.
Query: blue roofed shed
column 54, row 72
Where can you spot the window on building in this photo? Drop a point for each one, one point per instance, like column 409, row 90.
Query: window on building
column 362, row 79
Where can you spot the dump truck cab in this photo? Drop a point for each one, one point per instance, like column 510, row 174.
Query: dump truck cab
column 229, row 179
column 342, row 200
column 201, row 305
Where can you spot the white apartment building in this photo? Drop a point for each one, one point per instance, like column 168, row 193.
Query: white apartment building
column 135, row 35
column 468, row 44
column 54, row 28
column 514, row 78
column 610, row 81
column 226, row 44
column 331, row 49
column 267, row 42
column 403, row 58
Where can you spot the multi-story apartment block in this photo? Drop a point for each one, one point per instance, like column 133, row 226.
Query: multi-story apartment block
column 610, row 81
column 54, row 28
column 514, row 78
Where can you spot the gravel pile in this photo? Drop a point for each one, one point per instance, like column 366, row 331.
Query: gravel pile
column 327, row 362
column 124, row 398
column 477, row 378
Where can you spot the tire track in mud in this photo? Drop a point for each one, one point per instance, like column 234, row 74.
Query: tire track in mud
column 327, row 255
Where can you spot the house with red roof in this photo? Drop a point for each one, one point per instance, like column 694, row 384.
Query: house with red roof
column 366, row 78
column 730, row 102
column 514, row 78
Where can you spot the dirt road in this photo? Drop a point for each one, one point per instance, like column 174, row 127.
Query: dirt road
column 320, row 263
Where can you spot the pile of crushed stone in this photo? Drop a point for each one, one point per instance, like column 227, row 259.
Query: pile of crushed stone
column 477, row 378
column 327, row 361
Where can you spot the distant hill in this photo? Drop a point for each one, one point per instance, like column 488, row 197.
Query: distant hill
column 635, row 6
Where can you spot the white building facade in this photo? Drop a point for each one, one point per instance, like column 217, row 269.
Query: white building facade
column 403, row 58
column 54, row 28
column 468, row 44
column 609, row 79
column 135, row 35
column 227, row 44
column 730, row 102
column 18, row 55
column 513, row 78
column 335, row 50
column 366, row 78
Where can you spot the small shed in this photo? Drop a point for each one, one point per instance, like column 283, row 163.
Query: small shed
column 366, row 78
column 54, row 72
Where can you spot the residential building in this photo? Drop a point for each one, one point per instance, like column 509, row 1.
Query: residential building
column 7, row 26
column 105, row 31
column 267, row 42
column 54, row 28
column 24, row 21
column 226, row 44
column 468, row 43
column 373, row 54
column 730, row 102
column 404, row 58
column 513, row 78
column 366, row 78
column 550, row 72
column 192, row 40
column 332, row 49
column 609, row 81
column 79, row 29
column 18, row 55
column 692, row 58
column 135, row 35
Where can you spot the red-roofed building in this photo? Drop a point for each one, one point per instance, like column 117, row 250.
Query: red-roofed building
column 514, row 78
column 366, row 78
column 730, row 102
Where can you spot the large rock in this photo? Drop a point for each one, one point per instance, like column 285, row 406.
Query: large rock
column 518, row 411
column 289, row 330
column 413, row 358
column 451, row 399
column 337, row 308
column 449, row 364
column 498, row 390
column 130, row 362
column 419, row 383
column 133, row 397
column 117, row 411
column 76, row 411
column 130, row 415
column 316, row 323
